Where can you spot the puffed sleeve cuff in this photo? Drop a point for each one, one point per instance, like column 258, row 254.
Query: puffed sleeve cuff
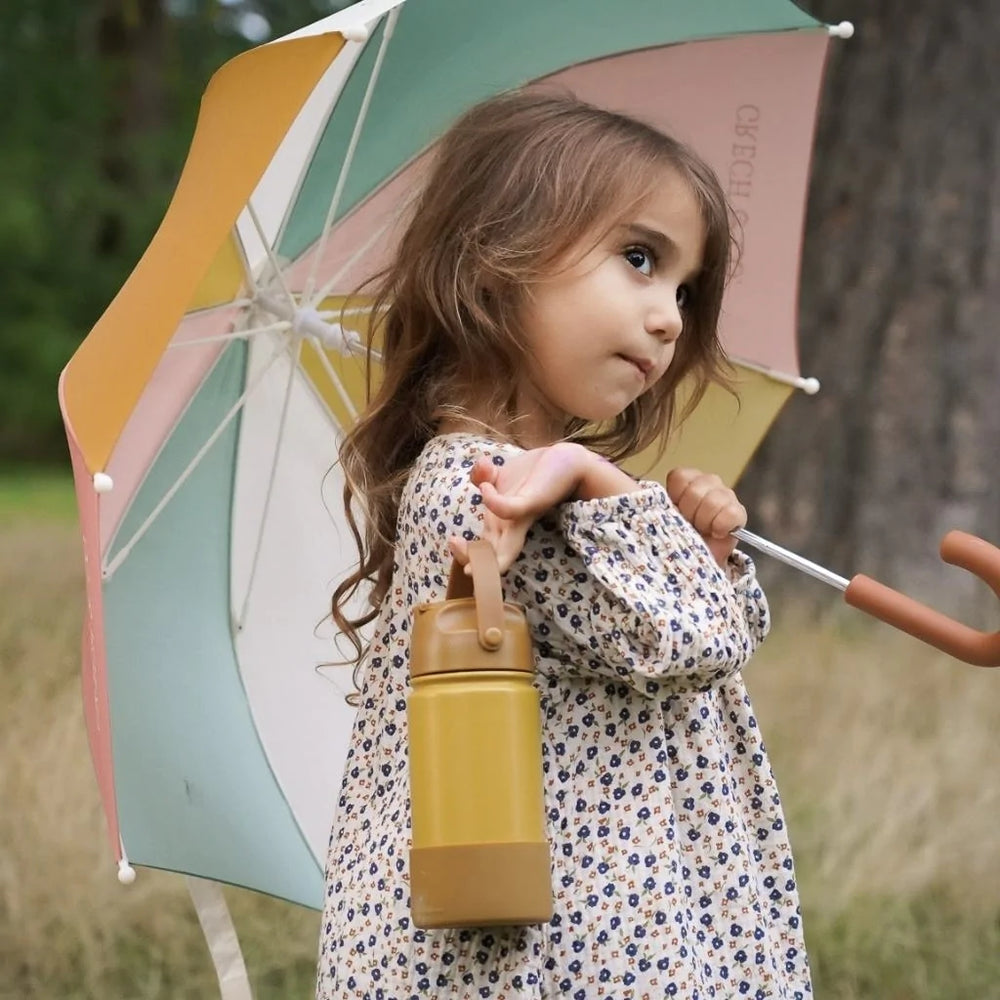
column 650, row 497
column 663, row 604
column 742, row 574
column 652, row 502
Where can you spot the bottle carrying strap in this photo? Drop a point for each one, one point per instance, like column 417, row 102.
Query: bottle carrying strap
column 484, row 586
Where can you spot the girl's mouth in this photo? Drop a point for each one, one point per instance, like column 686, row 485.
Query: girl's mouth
column 642, row 366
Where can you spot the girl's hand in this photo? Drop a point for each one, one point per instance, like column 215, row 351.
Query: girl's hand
column 518, row 492
column 711, row 507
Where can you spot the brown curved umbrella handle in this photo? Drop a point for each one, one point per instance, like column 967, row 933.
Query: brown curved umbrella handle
column 982, row 649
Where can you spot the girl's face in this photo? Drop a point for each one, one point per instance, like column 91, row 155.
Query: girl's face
column 601, row 330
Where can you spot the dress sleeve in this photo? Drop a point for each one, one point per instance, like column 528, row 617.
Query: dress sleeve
column 626, row 587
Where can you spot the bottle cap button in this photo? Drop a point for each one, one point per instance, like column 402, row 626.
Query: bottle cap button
column 492, row 637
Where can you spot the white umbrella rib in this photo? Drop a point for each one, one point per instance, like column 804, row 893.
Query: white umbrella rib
column 282, row 424
column 331, row 284
column 236, row 335
column 271, row 256
column 810, row 386
column 390, row 24
column 337, row 384
column 108, row 569
column 224, row 306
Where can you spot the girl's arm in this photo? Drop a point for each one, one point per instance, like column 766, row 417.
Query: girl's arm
column 518, row 491
column 631, row 589
column 601, row 478
column 702, row 498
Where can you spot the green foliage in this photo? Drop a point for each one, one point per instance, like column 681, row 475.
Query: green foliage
column 90, row 151
column 43, row 496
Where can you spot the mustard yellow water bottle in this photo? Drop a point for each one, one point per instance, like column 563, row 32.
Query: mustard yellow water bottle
column 479, row 855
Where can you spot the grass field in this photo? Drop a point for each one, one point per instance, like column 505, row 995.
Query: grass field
column 887, row 755
column 37, row 495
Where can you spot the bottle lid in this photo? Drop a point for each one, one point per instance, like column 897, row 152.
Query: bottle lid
column 472, row 629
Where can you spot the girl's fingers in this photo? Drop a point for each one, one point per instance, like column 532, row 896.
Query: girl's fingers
column 679, row 481
column 721, row 549
column 483, row 471
column 731, row 517
column 505, row 558
column 507, row 545
column 706, row 502
column 701, row 506
column 494, row 500
column 515, row 494
column 688, row 491
column 459, row 549
column 506, row 536
column 510, row 508
column 718, row 513
column 506, row 551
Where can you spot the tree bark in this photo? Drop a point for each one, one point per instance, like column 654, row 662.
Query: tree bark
column 900, row 295
column 130, row 40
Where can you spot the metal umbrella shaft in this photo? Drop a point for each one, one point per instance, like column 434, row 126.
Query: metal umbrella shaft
column 791, row 559
column 974, row 554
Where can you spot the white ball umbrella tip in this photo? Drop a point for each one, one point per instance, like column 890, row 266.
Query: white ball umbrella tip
column 103, row 483
column 843, row 30
column 355, row 32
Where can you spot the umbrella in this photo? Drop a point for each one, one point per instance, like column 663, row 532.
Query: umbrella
column 203, row 410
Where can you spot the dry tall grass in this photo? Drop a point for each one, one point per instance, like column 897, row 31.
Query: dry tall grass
column 888, row 757
column 67, row 927
column 886, row 754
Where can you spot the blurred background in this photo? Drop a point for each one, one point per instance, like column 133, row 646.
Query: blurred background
column 885, row 751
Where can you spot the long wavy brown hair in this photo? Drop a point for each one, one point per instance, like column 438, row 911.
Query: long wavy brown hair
column 515, row 184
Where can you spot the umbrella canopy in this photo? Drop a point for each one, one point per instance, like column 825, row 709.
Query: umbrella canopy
column 203, row 411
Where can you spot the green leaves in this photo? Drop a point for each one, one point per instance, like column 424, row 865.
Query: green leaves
column 101, row 102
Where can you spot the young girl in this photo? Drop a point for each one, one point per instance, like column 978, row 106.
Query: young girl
column 562, row 272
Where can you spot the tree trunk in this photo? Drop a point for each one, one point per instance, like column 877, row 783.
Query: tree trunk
column 130, row 41
column 899, row 302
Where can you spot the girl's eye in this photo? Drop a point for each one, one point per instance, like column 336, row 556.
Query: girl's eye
column 641, row 258
column 683, row 296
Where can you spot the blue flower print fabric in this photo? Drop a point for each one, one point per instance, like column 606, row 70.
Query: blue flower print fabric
column 671, row 868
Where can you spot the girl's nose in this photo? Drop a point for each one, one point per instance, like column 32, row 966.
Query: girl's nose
column 663, row 317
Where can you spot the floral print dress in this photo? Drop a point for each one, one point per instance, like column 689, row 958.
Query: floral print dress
column 671, row 869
